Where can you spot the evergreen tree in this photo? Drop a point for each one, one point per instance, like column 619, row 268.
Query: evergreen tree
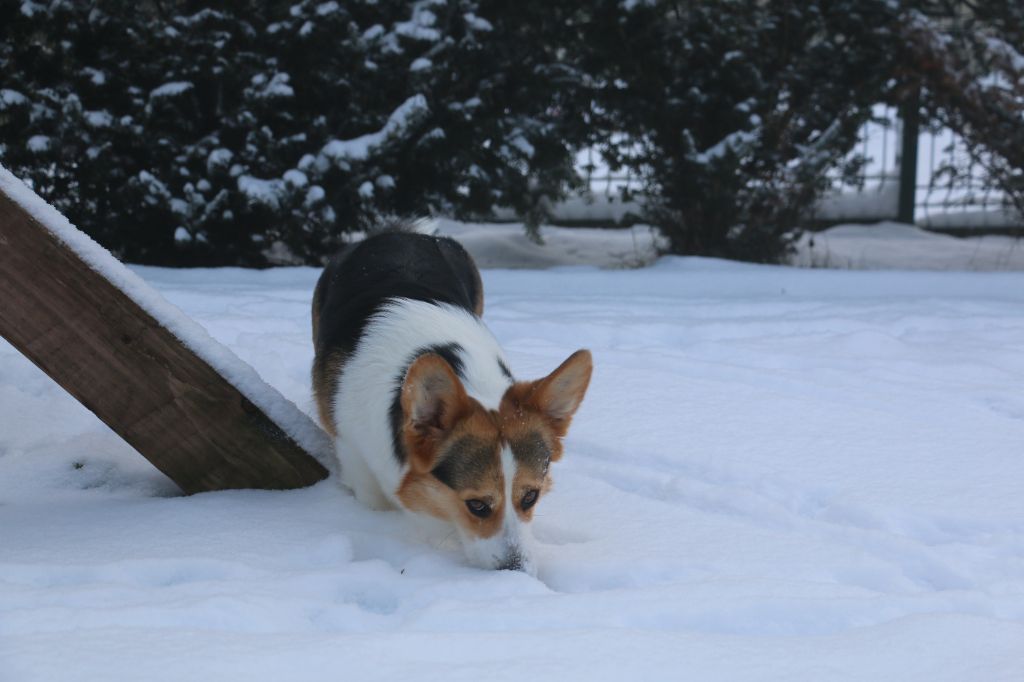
column 733, row 111
column 174, row 132
column 963, row 65
column 177, row 132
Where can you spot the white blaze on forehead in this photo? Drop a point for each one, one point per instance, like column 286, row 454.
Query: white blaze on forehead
column 508, row 470
column 518, row 535
column 513, row 541
column 511, row 524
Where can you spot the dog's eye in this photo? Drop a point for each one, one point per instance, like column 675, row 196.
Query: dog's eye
column 529, row 499
column 478, row 508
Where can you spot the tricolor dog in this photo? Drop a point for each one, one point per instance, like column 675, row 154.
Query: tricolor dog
column 419, row 398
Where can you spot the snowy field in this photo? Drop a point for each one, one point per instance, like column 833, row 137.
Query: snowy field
column 778, row 474
column 878, row 246
column 887, row 245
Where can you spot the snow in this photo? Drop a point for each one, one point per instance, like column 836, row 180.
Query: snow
column 156, row 191
column 327, row 8
column 291, row 420
column 877, row 202
column 523, row 145
column 1013, row 58
column 295, row 178
column 497, row 245
column 96, row 76
column 421, row 64
column 38, row 143
column 421, row 26
column 896, row 246
column 778, row 474
column 477, row 23
column 171, row 89
column 314, row 194
column 180, row 207
column 592, row 208
column 28, row 8
column 374, row 32
column 728, row 144
column 261, row 191
column 218, row 158
column 99, row 119
column 434, row 134
column 11, row 98
column 359, row 148
column 965, row 217
column 276, row 86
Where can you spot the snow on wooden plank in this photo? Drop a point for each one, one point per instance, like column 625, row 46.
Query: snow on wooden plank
column 184, row 401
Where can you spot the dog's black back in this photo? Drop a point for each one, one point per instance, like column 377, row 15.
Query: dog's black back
column 363, row 276
column 359, row 279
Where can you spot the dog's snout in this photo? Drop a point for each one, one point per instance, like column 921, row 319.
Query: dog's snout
column 513, row 561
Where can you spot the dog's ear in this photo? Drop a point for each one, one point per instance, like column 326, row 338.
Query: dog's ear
column 433, row 400
column 558, row 395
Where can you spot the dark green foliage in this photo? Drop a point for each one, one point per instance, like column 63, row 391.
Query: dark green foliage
column 733, row 111
column 179, row 133
column 967, row 61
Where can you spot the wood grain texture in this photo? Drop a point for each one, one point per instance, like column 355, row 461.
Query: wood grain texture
column 97, row 343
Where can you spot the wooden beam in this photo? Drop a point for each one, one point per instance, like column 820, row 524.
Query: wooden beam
column 140, row 379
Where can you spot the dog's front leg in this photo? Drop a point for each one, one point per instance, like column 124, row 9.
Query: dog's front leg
column 357, row 477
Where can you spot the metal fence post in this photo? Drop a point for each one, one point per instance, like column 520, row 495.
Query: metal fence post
column 910, row 115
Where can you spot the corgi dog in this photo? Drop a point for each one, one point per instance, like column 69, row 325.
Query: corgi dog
column 417, row 394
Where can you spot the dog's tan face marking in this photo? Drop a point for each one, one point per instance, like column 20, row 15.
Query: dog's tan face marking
column 456, row 469
column 455, row 466
column 532, row 455
column 469, row 468
column 534, row 417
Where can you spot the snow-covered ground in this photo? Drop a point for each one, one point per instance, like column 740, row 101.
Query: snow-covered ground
column 878, row 246
column 778, row 473
column 506, row 245
column 887, row 246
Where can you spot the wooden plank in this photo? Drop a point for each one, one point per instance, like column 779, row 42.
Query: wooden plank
column 132, row 372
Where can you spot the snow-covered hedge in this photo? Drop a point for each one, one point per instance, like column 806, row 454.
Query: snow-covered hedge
column 174, row 133
column 735, row 113
column 180, row 135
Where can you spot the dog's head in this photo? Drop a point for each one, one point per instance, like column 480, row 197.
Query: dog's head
column 484, row 471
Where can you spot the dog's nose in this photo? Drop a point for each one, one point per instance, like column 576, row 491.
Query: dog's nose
column 512, row 562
